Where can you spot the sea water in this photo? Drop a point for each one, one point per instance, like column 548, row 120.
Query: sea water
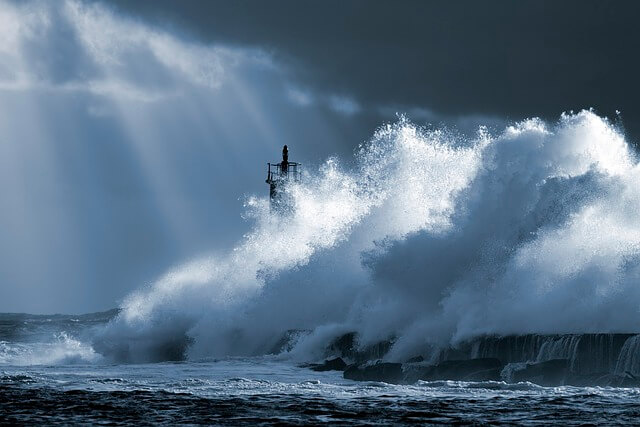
column 49, row 377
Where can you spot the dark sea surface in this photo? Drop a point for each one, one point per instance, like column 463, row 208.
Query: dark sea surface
column 49, row 375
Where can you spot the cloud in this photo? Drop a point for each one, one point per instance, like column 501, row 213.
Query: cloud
column 344, row 105
column 299, row 97
column 82, row 47
column 502, row 58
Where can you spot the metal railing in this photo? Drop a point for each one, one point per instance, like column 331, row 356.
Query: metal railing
column 276, row 172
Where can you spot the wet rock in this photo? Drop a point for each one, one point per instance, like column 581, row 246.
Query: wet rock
column 336, row 364
column 413, row 372
column 485, row 375
column 604, row 379
column 550, row 373
column 485, row 369
column 288, row 340
column 149, row 349
column 382, row 371
column 458, row 370
column 593, row 353
column 596, row 359
column 346, row 346
column 462, row 369
column 601, row 379
column 626, row 381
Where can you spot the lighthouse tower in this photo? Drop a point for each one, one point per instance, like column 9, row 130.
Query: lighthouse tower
column 278, row 174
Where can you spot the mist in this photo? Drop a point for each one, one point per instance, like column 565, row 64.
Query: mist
column 126, row 148
column 428, row 240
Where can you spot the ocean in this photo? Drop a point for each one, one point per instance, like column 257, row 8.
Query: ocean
column 48, row 375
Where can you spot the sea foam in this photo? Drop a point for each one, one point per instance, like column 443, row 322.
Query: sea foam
column 431, row 239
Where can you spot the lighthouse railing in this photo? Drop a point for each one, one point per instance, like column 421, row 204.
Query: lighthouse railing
column 275, row 172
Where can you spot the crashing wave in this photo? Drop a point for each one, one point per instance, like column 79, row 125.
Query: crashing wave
column 430, row 238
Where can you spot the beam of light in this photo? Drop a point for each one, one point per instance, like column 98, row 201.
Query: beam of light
column 196, row 123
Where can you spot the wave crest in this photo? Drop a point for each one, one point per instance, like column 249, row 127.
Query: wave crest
column 430, row 239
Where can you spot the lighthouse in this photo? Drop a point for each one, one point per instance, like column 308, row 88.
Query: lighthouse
column 279, row 174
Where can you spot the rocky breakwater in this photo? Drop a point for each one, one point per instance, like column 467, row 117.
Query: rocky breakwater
column 547, row 360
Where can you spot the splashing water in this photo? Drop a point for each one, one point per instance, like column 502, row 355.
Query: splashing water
column 63, row 349
column 430, row 239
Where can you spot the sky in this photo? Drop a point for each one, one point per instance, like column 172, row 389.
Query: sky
column 132, row 133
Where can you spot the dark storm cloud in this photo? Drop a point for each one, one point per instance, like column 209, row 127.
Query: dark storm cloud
column 507, row 58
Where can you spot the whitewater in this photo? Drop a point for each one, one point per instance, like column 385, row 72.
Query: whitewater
column 430, row 239
column 426, row 240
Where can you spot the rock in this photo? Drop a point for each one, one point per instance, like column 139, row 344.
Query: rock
column 550, row 373
column 415, row 371
column 381, row 371
column 346, row 346
column 463, row 369
column 396, row 373
column 486, row 369
column 336, row 364
column 627, row 381
column 146, row 349
column 603, row 380
column 375, row 351
column 594, row 353
column 288, row 340
column 485, row 375
column 595, row 360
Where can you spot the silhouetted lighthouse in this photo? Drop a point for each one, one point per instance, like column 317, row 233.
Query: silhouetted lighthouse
column 279, row 173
